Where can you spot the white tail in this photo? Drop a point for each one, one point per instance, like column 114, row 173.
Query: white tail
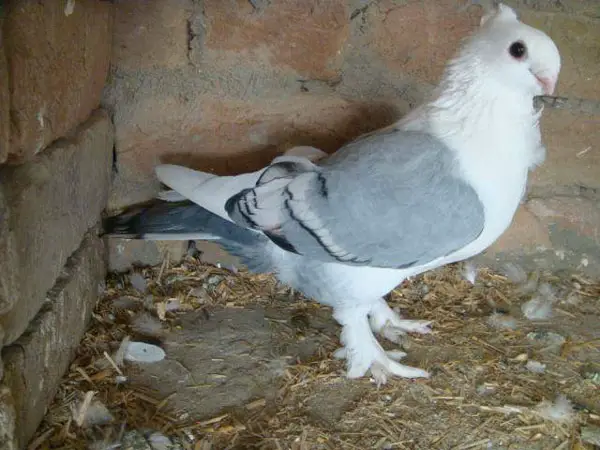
column 204, row 189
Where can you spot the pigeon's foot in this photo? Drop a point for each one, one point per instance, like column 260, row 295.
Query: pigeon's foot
column 363, row 353
column 389, row 324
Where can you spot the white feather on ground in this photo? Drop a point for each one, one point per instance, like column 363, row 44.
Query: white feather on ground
column 120, row 353
column 470, row 272
column 127, row 302
column 91, row 412
column 540, row 305
column 531, row 284
column 502, row 321
column 148, row 325
column 97, row 414
column 138, row 282
column 515, row 273
column 560, row 411
column 535, row 366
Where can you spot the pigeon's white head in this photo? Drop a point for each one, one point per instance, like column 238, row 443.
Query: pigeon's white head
column 514, row 55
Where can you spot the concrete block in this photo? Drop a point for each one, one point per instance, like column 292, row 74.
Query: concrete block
column 35, row 364
column 52, row 201
column 7, row 420
column 4, row 100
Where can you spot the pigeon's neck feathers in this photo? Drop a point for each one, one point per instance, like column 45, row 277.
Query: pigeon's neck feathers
column 475, row 114
column 494, row 134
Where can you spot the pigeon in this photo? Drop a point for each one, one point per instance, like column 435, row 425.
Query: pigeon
column 436, row 187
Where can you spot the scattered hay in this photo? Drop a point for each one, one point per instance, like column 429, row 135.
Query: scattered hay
column 481, row 394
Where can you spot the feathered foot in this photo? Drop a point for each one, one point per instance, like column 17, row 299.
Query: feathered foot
column 363, row 353
column 389, row 324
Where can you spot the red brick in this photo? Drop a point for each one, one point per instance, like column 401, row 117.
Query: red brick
column 573, row 156
column 418, row 37
column 51, row 202
column 151, row 33
column 4, row 100
column 58, row 61
column 230, row 137
column 305, row 35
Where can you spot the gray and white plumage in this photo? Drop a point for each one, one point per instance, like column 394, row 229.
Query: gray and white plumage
column 422, row 209
column 437, row 187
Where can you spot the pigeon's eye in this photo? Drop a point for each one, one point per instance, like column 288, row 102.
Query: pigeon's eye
column 517, row 50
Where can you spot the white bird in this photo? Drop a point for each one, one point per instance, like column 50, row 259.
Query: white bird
column 437, row 187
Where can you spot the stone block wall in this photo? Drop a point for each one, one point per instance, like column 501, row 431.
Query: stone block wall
column 222, row 85
column 56, row 146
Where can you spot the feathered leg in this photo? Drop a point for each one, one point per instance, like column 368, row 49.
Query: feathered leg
column 362, row 351
column 389, row 324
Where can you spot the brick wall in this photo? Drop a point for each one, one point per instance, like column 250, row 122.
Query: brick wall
column 223, row 86
column 219, row 85
column 56, row 143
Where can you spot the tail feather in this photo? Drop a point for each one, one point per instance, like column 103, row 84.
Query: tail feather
column 186, row 220
column 212, row 191
column 160, row 219
column 170, row 196
column 205, row 189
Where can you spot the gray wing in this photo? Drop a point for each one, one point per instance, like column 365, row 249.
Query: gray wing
column 389, row 199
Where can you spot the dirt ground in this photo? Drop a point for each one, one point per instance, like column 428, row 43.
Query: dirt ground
column 249, row 366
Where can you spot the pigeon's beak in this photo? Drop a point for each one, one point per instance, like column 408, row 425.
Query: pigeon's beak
column 548, row 83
